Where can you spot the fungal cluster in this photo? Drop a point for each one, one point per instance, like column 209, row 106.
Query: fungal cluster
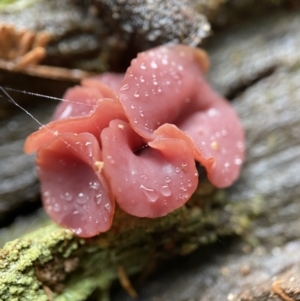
column 134, row 140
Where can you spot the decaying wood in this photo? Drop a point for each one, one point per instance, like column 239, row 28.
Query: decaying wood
column 269, row 108
column 256, row 65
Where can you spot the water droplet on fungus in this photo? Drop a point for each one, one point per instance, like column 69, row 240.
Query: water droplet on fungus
column 168, row 179
column 81, row 198
column 150, row 193
column 165, row 190
column 57, row 207
column 107, row 207
column 67, row 196
column 238, row 161
column 124, row 88
column 153, row 65
column 99, row 198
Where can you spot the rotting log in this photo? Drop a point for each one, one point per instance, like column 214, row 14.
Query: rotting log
column 51, row 263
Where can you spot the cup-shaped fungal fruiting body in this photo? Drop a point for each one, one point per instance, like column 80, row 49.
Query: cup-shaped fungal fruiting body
column 134, row 139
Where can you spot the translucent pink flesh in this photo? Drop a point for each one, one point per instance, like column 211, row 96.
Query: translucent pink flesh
column 111, row 80
column 105, row 111
column 82, row 100
column 78, row 101
column 74, row 192
column 167, row 117
column 166, row 85
column 152, row 181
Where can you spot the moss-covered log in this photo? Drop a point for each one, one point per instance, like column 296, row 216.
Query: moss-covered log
column 51, row 261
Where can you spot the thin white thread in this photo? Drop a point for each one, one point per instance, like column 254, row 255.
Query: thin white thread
column 10, row 99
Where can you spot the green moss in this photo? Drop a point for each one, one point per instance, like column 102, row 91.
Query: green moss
column 53, row 261
column 14, row 5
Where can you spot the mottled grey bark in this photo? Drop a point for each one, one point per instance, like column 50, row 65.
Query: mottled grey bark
column 257, row 66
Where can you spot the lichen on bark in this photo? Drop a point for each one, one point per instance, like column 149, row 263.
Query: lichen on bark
column 53, row 261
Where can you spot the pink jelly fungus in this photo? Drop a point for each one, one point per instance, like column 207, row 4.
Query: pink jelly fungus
column 75, row 193
column 133, row 139
column 156, row 178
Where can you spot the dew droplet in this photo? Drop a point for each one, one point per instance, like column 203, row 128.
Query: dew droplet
column 227, row 164
column 185, row 195
column 153, row 65
column 132, row 107
column 150, row 193
column 212, row 112
column 240, row 145
column 142, row 114
column 177, row 169
column 143, row 67
column 56, row 207
column 99, row 198
column 77, row 231
column 89, row 147
column 107, row 207
column 111, row 160
column 142, row 79
column 224, row 133
column 136, row 94
column 81, row 198
column 146, row 94
column 94, row 185
column 165, row 190
column 144, row 177
column 67, row 196
column 164, row 61
column 168, row 179
column 237, row 161
column 124, row 88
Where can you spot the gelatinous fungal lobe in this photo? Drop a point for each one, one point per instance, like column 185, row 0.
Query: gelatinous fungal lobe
column 82, row 100
column 135, row 141
column 75, row 194
column 148, row 180
column 166, row 85
column 99, row 107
